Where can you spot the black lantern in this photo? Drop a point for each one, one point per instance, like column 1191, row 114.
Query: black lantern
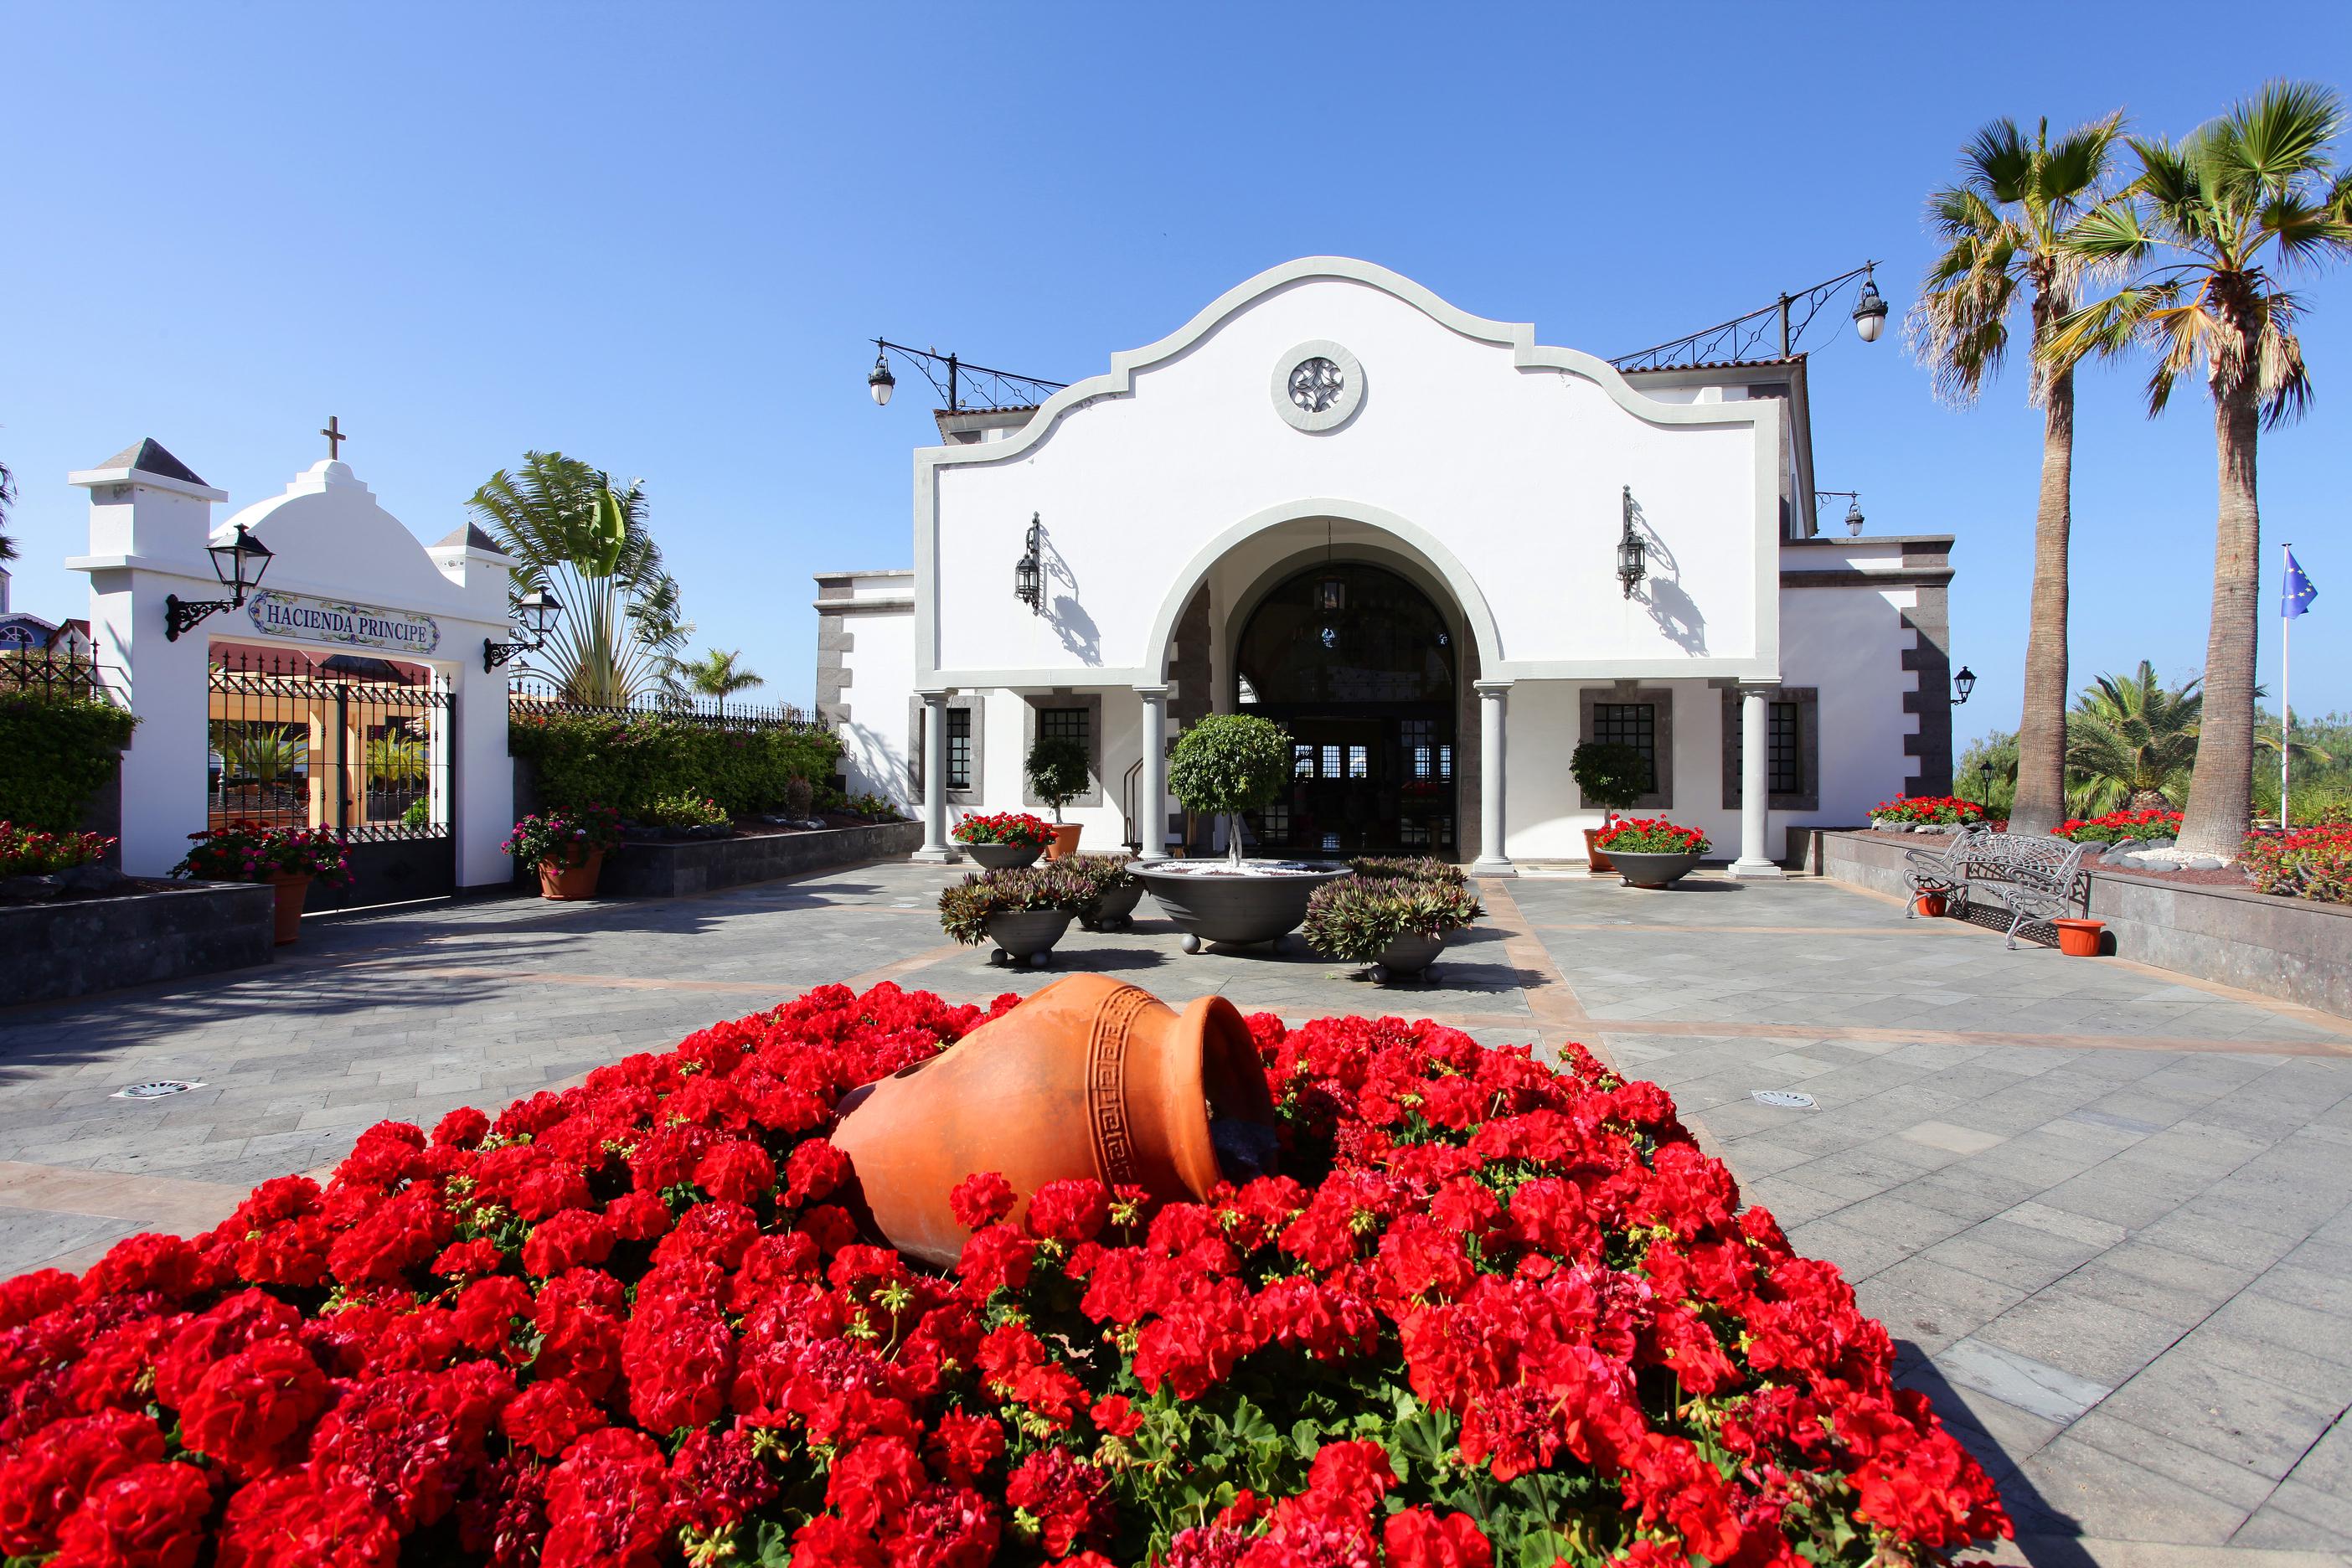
column 879, row 381
column 1854, row 517
column 1963, row 683
column 1029, row 572
column 1334, row 596
column 536, row 612
column 238, row 564
column 1631, row 553
column 1869, row 312
column 1986, row 773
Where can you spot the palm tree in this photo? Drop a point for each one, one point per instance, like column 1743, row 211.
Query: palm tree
column 2207, row 220
column 570, row 533
column 2004, row 227
column 2132, row 742
column 716, row 674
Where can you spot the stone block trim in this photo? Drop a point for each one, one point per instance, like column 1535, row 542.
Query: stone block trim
column 833, row 641
column 1931, row 660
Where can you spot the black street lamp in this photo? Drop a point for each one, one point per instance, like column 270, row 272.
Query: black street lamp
column 1853, row 509
column 1029, row 572
column 1985, row 772
column 1964, row 683
column 1869, row 310
column 1632, row 566
column 238, row 564
column 537, row 613
column 1004, row 388
column 1779, row 326
column 879, row 381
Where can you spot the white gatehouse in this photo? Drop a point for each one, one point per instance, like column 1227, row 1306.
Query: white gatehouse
column 1334, row 499
column 347, row 691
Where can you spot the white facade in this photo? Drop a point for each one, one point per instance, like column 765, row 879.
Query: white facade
column 1488, row 472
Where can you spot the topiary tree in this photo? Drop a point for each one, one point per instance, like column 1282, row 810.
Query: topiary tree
column 1612, row 777
column 1227, row 764
column 1057, row 771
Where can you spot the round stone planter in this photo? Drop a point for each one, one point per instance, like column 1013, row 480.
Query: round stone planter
column 1212, row 903
column 1408, row 957
column 1002, row 857
column 1114, row 909
column 1026, row 936
column 1649, row 870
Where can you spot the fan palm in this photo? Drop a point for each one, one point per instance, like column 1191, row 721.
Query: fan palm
column 2131, row 742
column 2004, row 225
column 396, row 760
column 266, row 754
column 2213, row 222
column 718, row 673
column 570, row 533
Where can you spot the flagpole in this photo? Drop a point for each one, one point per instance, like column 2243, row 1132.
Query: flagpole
column 2286, row 702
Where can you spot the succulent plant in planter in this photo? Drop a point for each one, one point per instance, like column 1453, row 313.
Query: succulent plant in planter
column 1410, row 868
column 1116, row 892
column 1058, row 774
column 1396, row 923
column 1024, row 910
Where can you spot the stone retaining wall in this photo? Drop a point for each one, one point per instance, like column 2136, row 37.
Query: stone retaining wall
column 2291, row 949
column 688, row 865
column 70, row 947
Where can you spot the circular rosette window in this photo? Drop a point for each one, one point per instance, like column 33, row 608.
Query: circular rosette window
column 1317, row 386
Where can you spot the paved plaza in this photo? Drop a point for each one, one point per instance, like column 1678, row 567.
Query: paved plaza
column 2105, row 1213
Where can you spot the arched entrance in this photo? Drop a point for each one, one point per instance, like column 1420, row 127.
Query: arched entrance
column 1361, row 667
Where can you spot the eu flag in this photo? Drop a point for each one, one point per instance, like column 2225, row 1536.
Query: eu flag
column 2297, row 595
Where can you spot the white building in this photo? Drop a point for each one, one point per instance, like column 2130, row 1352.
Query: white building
column 1335, row 500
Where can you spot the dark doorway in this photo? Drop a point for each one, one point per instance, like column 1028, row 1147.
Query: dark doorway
column 1359, row 666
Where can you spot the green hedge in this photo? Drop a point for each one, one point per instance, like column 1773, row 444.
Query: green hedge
column 629, row 762
column 55, row 753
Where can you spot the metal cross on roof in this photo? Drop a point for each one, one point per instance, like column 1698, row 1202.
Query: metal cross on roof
column 335, row 437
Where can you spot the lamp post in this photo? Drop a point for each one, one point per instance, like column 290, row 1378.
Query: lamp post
column 1631, row 553
column 1029, row 571
column 238, row 564
column 1869, row 310
column 1984, row 770
column 948, row 374
column 1854, row 519
column 1741, row 339
column 537, row 611
column 1964, row 683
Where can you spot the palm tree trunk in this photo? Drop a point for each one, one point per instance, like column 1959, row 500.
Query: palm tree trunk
column 2040, row 803
column 2221, row 787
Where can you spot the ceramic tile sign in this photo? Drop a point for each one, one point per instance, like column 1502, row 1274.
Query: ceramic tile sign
column 299, row 616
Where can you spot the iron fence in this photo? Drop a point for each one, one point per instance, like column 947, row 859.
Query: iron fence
column 361, row 745
column 50, row 675
column 531, row 693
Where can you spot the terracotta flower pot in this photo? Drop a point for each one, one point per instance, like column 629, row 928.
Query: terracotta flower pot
column 1598, row 863
column 1929, row 905
column 1090, row 1076
column 1001, row 857
column 572, row 878
column 293, row 887
column 1065, row 840
column 2079, row 938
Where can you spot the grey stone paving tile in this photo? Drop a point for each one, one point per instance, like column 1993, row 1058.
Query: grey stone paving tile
column 2050, row 1393
column 2096, row 1338
column 2180, row 1462
column 1858, row 1253
column 2245, row 1420
column 2263, row 1317
column 2012, row 1255
column 2093, row 1493
column 1932, row 1305
column 2298, row 1518
column 2214, row 1240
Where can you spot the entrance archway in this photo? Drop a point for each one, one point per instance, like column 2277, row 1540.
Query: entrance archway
column 1363, row 670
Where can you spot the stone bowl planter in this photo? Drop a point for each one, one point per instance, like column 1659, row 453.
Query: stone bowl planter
column 1114, row 910
column 1026, row 936
column 1002, row 857
column 1263, row 901
column 1642, row 870
column 1408, row 957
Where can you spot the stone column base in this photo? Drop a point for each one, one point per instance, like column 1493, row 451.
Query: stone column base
column 1500, row 865
column 1754, row 870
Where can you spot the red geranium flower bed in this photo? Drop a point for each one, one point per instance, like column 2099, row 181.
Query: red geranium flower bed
column 1492, row 1313
column 1927, row 808
column 2117, row 825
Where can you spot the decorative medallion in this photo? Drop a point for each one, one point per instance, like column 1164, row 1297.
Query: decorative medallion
column 1317, row 386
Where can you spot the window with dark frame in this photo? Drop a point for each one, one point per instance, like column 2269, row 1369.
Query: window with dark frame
column 959, row 748
column 1063, row 724
column 1634, row 724
column 1783, row 754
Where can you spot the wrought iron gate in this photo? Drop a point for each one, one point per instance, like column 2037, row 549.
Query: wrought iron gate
column 360, row 745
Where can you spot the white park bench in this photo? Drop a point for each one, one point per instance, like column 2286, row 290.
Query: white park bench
column 2034, row 877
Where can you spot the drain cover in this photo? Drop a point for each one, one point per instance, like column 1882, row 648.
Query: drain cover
column 155, row 1091
column 1785, row 1099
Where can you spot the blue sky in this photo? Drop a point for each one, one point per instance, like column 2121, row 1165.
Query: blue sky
column 658, row 238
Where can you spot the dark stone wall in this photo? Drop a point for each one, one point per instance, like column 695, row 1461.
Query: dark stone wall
column 692, row 866
column 71, row 947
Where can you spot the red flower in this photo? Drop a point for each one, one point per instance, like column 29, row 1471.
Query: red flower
column 605, row 1503
column 981, row 1199
column 1066, row 1497
column 815, row 1170
column 737, row 1170
column 150, row 1516
column 549, row 1417
column 44, row 1482
column 1416, row 1538
column 253, row 1411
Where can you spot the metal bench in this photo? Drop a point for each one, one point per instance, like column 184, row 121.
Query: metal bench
column 2031, row 877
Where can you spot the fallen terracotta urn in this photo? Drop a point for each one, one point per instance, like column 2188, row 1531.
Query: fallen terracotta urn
column 1091, row 1076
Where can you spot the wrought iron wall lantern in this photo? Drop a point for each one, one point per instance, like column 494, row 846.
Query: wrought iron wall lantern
column 1631, row 553
column 950, row 376
column 1964, row 683
column 879, row 381
column 537, row 613
column 1029, row 572
column 1854, row 519
column 238, row 564
column 1869, row 310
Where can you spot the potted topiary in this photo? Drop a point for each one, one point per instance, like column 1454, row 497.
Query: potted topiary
column 289, row 859
column 1225, row 764
column 1116, row 892
column 1024, row 910
column 568, row 846
column 1651, row 852
column 1612, row 777
column 1003, row 839
column 1390, row 916
column 1058, row 774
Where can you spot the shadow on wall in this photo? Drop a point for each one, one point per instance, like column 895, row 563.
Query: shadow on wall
column 866, row 755
column 1673, row 612
column 1069, row 618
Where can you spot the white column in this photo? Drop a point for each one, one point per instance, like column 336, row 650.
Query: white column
column 1491, row 861
column 1755, row 784
column 1152, row 787
column 935, row 779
